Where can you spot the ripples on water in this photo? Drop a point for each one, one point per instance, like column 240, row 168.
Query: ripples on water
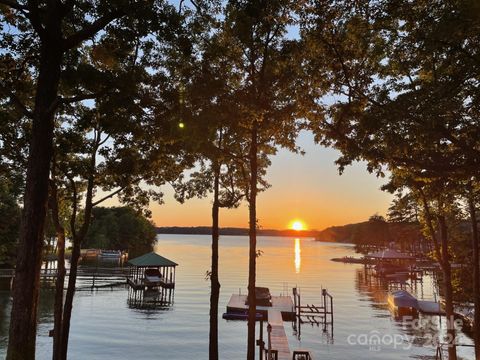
column 104, row 327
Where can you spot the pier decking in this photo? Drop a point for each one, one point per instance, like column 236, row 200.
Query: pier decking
column 278, row 336
column 282, row 304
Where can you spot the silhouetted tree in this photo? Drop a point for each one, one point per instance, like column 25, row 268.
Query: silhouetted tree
column 274, row 98
column 406, row 100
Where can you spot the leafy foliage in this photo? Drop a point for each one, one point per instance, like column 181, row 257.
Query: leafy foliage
column 120, row 228
column 9, row 223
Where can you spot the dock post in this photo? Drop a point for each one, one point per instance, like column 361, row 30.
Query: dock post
column 295, row 299
column 331, row 309
column 93, row 276
column 324, row 298
column 299, row 304
column 269, row 331
column 261, row 344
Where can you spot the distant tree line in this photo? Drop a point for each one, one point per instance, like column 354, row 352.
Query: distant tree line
column 207, row 230
column 377, row 233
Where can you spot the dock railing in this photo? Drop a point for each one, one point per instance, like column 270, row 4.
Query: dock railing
column 87, row 277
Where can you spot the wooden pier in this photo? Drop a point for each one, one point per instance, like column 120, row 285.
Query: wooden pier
column 278, row 337
column 277, row 309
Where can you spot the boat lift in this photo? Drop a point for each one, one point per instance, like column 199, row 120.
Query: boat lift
column 313, row 314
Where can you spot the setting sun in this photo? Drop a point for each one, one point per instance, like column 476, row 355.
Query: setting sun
column 297, row 225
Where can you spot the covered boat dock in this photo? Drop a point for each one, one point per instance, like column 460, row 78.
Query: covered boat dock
column 389, row 255
column 151, row 271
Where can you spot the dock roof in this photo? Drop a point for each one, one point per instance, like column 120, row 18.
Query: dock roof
column 151, row 259
column 389, row 254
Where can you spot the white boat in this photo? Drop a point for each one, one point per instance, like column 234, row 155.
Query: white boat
column 111, row 254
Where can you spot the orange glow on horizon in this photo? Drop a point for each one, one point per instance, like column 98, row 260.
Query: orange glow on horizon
column 304, row 188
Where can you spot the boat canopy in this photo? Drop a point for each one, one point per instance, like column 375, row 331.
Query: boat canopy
column 403, row 299
column 151, row 259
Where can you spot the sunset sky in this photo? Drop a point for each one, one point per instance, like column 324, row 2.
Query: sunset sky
column 307, row 188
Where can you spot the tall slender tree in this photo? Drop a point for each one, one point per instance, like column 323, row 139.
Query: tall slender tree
column 274, row 96
column 212, row 136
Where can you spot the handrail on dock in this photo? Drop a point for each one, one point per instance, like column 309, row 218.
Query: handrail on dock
column 100, row 277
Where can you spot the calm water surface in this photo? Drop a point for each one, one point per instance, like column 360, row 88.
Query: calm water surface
column 104, row 327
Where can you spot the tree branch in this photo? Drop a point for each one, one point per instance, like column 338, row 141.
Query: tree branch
column 428, row 220
column 81, row 97
column 34, row 17
column 67, row 6
column 14, row 5
column 73, row 217
column 16, row 101
column 91, row 29
column 112, row 194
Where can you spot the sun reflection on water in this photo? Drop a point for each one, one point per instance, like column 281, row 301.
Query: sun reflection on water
column 298, row 258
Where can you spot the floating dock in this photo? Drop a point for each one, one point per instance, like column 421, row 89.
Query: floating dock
column 282, row 304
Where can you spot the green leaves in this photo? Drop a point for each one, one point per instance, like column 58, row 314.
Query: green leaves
column 403, row 88
column 9, row 223
column 120, row 228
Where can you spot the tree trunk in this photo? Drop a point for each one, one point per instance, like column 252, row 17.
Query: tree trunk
column 60, row 281
column 441, row 251
column 252, row 308
column 476, row 274
column 447, row 283
column 215, row 284
column 67, row 309
column 23, row 321
column 77, row 242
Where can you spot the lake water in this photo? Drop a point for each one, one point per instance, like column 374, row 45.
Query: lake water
column 105, row 327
